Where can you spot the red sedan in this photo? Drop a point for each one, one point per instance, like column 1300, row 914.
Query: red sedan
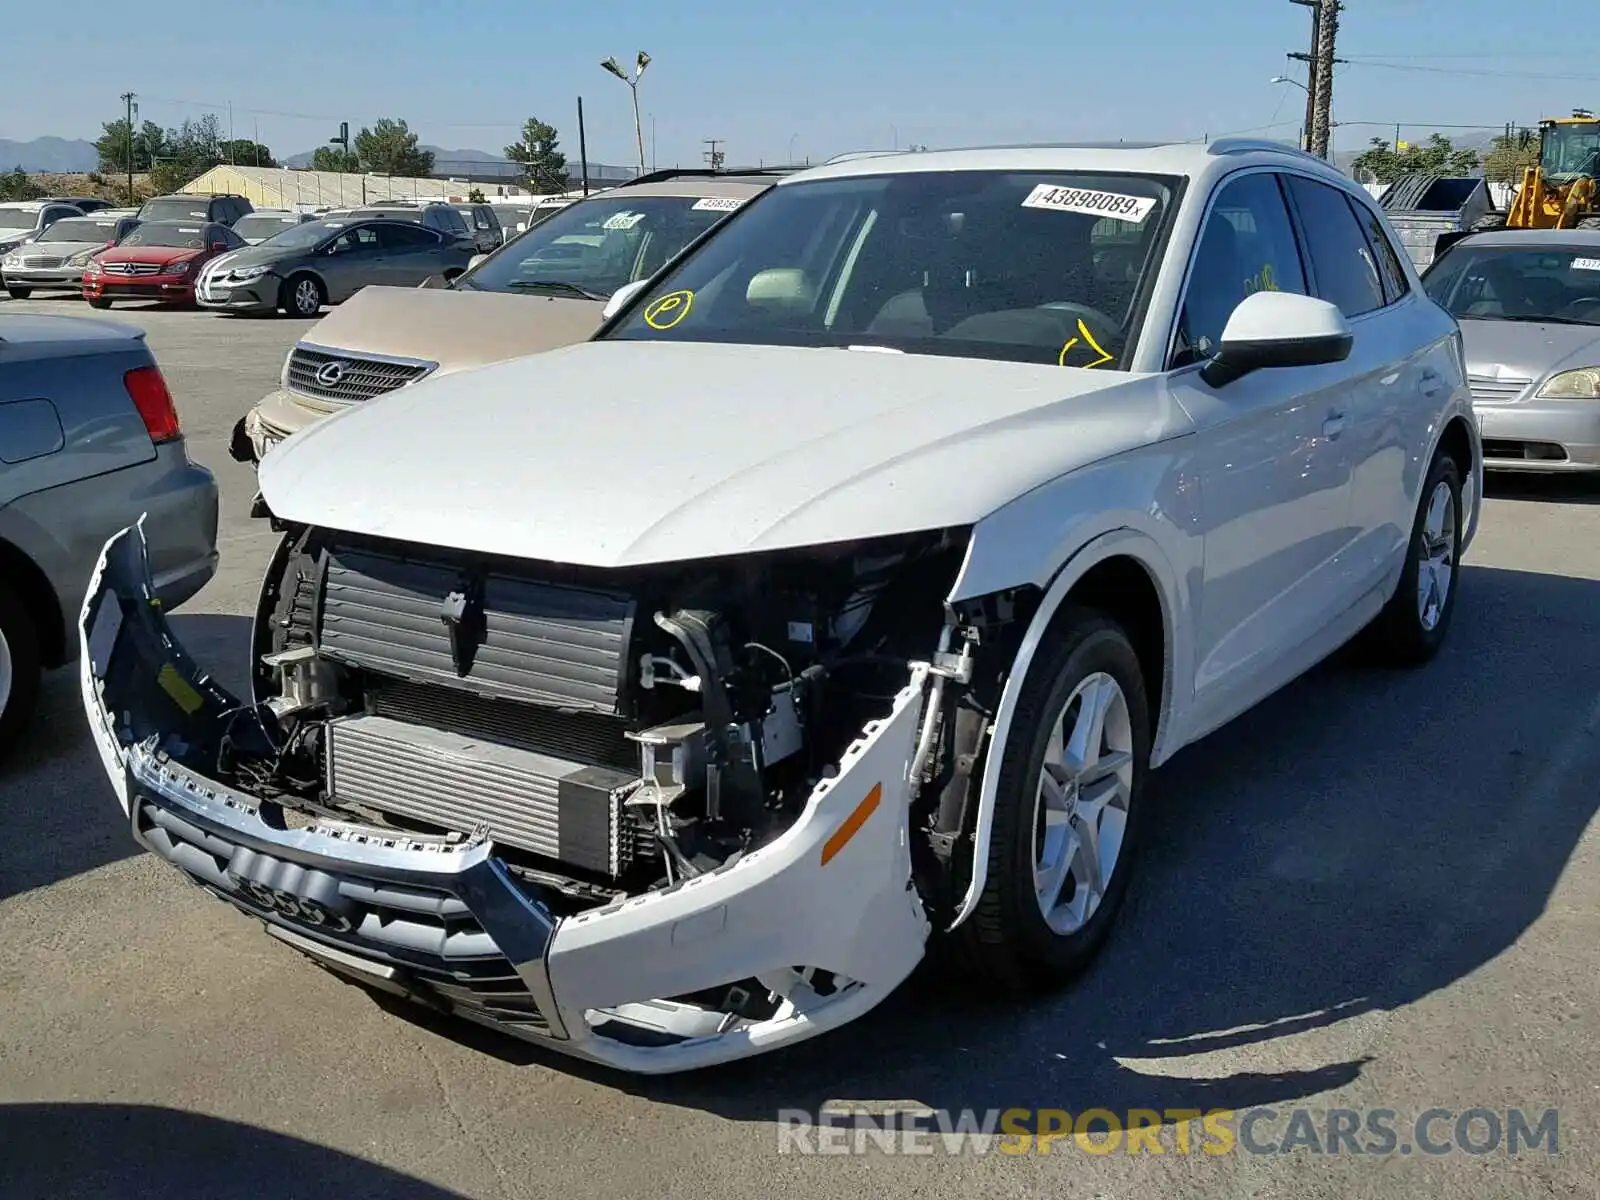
column 159, row 260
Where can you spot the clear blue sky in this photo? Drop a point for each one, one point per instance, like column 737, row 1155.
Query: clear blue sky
column 821, row 75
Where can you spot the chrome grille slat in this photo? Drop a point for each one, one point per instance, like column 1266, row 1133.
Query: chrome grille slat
column 1496, row 389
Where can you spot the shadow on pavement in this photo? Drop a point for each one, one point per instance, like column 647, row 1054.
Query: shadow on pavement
column 60, row 814
column 94, row 1151
column 1359, row 842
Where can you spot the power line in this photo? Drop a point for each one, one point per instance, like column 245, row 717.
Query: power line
column 1472, row 72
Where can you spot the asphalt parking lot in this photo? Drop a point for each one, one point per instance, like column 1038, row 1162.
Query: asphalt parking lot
column 1378, row 891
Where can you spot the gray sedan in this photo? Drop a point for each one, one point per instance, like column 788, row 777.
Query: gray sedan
column 89, row 441
column 1528, row 303
column 324, row 262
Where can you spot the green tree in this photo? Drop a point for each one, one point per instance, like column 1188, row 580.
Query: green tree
column 1436, row 156
column 112, row 146
column 245, row 153
column 476, row 196
column 187, row 153
column 544, row 166
column 333, row 158
column 15, row 185
column 1510, row 155
column 390, row 148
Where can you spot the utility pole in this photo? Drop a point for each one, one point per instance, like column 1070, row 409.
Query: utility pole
column 714, row 156
column 1322, row 111
column 128, row 98
column 583, row 148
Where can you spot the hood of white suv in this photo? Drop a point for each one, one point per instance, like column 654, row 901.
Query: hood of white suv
column 618, row 453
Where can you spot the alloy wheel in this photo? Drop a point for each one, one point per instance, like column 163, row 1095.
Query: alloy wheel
column 306, row 299
column 1081, row 806
column 7, row 671
column 1436, row 555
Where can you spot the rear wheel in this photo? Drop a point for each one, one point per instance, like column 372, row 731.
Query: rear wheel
column 1069, row 813
column 1413, row 624
column 18, row 293
column 301, row 296
column 19, row 668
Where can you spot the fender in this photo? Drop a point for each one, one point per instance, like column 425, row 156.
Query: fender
column 1122, row 542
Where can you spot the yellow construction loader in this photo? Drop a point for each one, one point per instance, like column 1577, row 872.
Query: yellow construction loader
column 1559, row 192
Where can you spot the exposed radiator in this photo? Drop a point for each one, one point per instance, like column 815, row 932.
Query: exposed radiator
column 544, row 643
column 564, row 810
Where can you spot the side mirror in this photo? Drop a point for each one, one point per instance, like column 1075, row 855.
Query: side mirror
column 620, row 298
column 1278, row 329
column 219, row 247
column 475, row 260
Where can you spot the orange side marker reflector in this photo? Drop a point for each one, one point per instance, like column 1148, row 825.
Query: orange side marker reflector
column 852, row 824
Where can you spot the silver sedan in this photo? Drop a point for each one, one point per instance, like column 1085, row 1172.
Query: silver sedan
column 1528, row 302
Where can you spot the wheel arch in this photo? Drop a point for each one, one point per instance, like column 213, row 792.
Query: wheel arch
column 1460, row 439
column 39, row 597
column 1125, row 573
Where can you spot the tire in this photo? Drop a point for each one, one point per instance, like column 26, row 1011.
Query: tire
column 99, row 302
column 1412, row 626
column 1489, row 221
column 1589, row 223
column 18, row 293
column 19, row 669
column 302, row 296
column 1008, row 941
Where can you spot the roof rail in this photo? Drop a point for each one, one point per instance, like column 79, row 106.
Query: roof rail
column 1244, row 145
column 855, row 154
column 670, row 173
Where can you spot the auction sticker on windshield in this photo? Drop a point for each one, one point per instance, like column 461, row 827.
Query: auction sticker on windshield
column 623, row 220
column 1094, row 204
column 718, row 204
column 1586, row 264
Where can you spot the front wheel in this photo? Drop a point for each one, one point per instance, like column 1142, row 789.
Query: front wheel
column 99, row 302
column 1413, row 624
column 1069, row 812
column 18, row 293
column 302, row 296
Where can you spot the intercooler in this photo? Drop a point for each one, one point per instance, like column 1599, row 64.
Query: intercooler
column 568, row 811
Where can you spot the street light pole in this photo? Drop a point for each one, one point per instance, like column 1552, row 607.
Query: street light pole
column 615, row 68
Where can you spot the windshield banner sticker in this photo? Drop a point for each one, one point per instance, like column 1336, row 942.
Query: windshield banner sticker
column 1092, row 203
column 623, row 220
column 718, row 204
column 668, row 310
column 1586, row 264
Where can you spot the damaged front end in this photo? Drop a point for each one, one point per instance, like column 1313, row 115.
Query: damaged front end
column 658, row 818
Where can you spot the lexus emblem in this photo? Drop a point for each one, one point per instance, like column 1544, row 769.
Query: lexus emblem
column 329, row 373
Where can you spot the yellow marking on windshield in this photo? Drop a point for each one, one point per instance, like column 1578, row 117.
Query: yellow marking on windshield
column 668, row 310
column 1085, row 336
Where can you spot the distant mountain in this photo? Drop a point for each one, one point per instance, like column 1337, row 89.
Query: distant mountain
column 49, row 154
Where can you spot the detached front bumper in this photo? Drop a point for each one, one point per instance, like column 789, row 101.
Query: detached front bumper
column 447, row 922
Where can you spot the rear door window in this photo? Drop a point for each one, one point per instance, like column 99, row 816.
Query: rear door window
column 1342, row 262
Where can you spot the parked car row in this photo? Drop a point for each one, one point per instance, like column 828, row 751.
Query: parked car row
column 729, row 586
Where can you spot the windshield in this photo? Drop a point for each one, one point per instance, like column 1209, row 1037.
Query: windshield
column 1571, row 149
column 1024, row 266
column 175, row 210
column 18, row 218
column 168, row 233
column 304, row 236
column 264, row 227
column 1551, row 284
column 80, row 229
column 595, row 247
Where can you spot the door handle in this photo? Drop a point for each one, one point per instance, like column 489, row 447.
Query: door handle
column 1333, row 426
column 1432, row 383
